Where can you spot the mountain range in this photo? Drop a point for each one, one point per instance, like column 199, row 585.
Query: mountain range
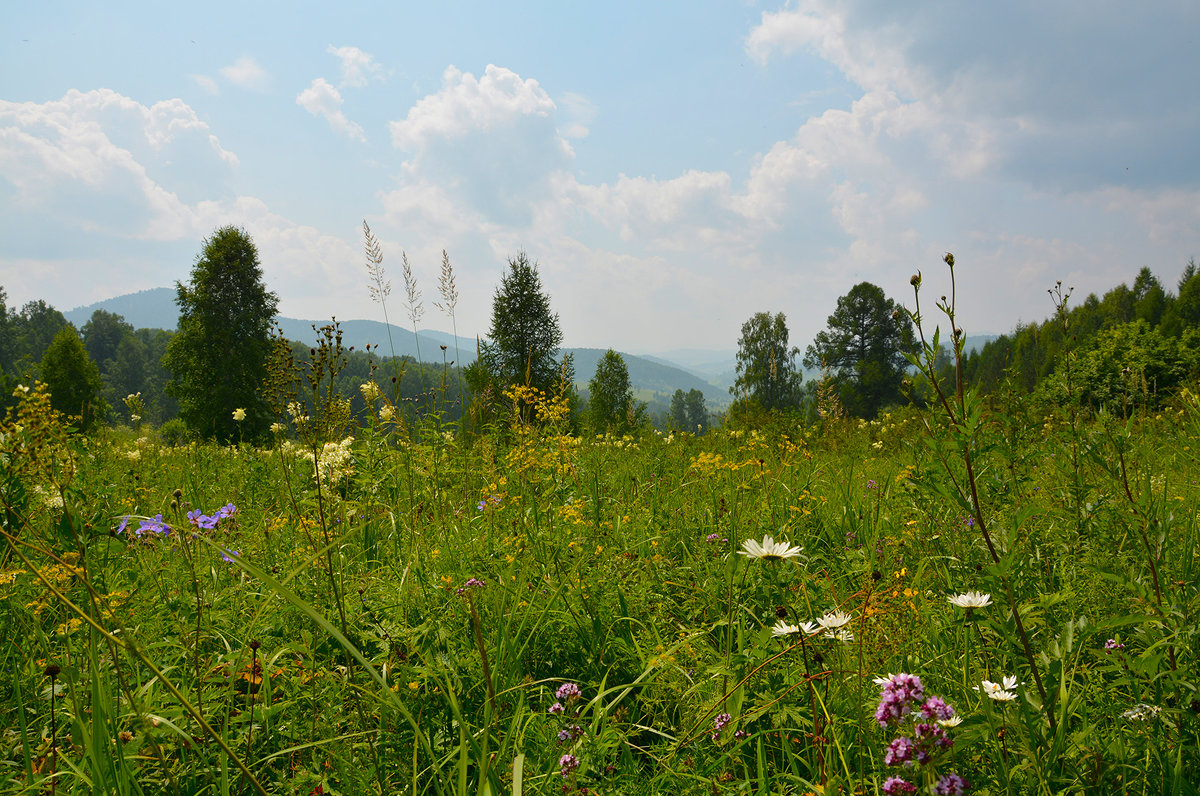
column 654, row 377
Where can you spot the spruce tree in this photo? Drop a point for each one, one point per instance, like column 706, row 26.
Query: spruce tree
column 525, row 336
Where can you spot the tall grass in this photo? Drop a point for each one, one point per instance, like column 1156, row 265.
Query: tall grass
column 528, row 611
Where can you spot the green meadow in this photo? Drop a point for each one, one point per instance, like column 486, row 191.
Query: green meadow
column 394, row 605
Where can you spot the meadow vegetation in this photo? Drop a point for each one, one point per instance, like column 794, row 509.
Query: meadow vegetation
column 984, row 594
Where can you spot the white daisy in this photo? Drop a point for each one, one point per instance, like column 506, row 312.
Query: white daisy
column 951, row 722
column 769, row 549
column 842, row 634
column 809, row 628
column 1002, row 691
column 782, row 629
column 833, row 619
column 972, row 599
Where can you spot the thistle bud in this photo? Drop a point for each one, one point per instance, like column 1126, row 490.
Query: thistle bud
column 915, row 280
column 949, row 258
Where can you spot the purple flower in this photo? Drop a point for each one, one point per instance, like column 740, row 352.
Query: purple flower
column 893, row 786
column 950, row 785
column 226, row 555
column 153, row 525
column 472, row 583
column 1113, row 644
column 899, row 752
column 896, row 699
column 937, row 709
column 568, row 691
column 567, row 765
column 557, row 707
column 124, row 524
column 722, row 721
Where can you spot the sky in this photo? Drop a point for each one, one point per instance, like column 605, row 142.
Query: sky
column 673, row 167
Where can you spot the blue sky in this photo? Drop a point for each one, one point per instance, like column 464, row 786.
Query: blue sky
column 673, row 167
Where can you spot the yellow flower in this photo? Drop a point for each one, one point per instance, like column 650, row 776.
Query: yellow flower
column 239, row 414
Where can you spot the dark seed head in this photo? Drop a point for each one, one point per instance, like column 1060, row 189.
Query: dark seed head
column 254, row 645
column 51, row 670
column 781, row 611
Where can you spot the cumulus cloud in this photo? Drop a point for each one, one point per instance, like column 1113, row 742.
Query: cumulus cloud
column 99, row 159
column 358, row 67
column 322, row 99
column 246, row 73
column 491, row 142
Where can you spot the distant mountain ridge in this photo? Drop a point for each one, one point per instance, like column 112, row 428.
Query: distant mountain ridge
column 653, row 377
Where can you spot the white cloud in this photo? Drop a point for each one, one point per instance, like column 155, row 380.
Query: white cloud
column 322, row 99
column 490, row 143
column 468, row 105
column 206, row 84
column 246, row 73
column 94, row 160
column 358, row 67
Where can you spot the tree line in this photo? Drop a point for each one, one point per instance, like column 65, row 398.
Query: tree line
column 210, row 377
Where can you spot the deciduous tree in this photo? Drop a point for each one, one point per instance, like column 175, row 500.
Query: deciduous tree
column 766, row 366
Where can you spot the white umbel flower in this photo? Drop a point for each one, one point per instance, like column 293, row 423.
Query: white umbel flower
column 769, row 550
column 972, row 599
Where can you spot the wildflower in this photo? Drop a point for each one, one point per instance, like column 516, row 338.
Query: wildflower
column 154, row 524
column 782, row 629
column 936, row 708
column 951, row 722
column 1141, row 712
column 557, row 707
column 568, row 691
column 239, row 414
column 899, row 752
column 567, row 765
column 1002, row 691
column 841, row 634
column 971, row 599
column 896, row 699
column 833, row 620
column 897, row 785
column 951, row 784
column 472, row 583
column 769, row 549
column 124, row 524
column 227, row 555
column 278, row 428
column 370, row 391
column 720, row 723
column 386, row 412
column 1113, row 644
